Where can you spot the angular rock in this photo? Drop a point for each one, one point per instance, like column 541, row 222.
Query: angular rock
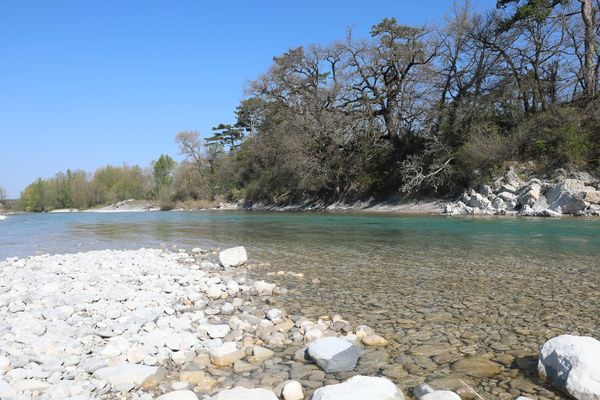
column 226, row 354
column 233, row 257
column 570, row 196
column 531, row 195
column 507, row 196
column 132, row 374
column 422, row 390
column 260, row 354
column 31, row 385
column 360, row 388
column 333, row 354
column 479, row 201
column 7, row 391
column 572, row 364
column 218, row 331
column 292, row 390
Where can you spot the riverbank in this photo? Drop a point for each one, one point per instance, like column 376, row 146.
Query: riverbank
column 137, row 324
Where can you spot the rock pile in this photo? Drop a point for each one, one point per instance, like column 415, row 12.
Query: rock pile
column 575, row 194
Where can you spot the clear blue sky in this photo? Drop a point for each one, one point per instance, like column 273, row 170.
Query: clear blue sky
column 89, row 83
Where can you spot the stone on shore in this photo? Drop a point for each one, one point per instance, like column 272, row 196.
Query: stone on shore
column 179, row 395
column 292, row 390
column 422, row 390
column 333, row 354
column 360, row 388
column 7, row 392
column 129, row 374
column 242, row 393
column 572, row 364
column 441, row 395
column 226, row 354
column 260, row 354
column 477, row 367
column 233, row 257
column 374, row 340
column 264, row 288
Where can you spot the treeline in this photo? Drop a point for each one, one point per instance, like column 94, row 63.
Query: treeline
column 80, row 190
column 413, row 108
column 410, row 109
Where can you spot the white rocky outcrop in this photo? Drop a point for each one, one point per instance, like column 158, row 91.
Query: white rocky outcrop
column 578, row 194
column 233, row 257
column 360, row 388
column 572, row 364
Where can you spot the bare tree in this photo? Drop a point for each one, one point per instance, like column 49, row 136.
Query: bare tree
column 190, row 146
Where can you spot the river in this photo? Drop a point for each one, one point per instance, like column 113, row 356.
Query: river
column 440, row 289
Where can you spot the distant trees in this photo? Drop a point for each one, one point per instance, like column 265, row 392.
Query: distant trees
column 2, row 194
column 77, row 189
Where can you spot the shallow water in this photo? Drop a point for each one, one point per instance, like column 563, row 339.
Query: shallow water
column 490, row 287
column 300, row 235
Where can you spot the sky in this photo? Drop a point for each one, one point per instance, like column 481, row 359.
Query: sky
column 84, row 84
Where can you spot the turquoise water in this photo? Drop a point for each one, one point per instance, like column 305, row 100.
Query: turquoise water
column 299, row 235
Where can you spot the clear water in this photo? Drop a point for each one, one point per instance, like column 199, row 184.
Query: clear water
column 301, row 237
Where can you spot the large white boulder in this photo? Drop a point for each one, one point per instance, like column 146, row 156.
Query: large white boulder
column 360, row 388
column 572, row 364
column 530, row 195
column 128, row 374
column 333, row 354
column 242, row 393
column 571, row 196
column 233, row 257
column 479, row 201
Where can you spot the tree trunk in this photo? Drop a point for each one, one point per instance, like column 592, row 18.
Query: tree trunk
column 587, row 15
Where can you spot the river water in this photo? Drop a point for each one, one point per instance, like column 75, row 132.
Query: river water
column 440, row 289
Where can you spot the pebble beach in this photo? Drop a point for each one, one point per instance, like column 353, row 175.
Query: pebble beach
column 200, row 324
